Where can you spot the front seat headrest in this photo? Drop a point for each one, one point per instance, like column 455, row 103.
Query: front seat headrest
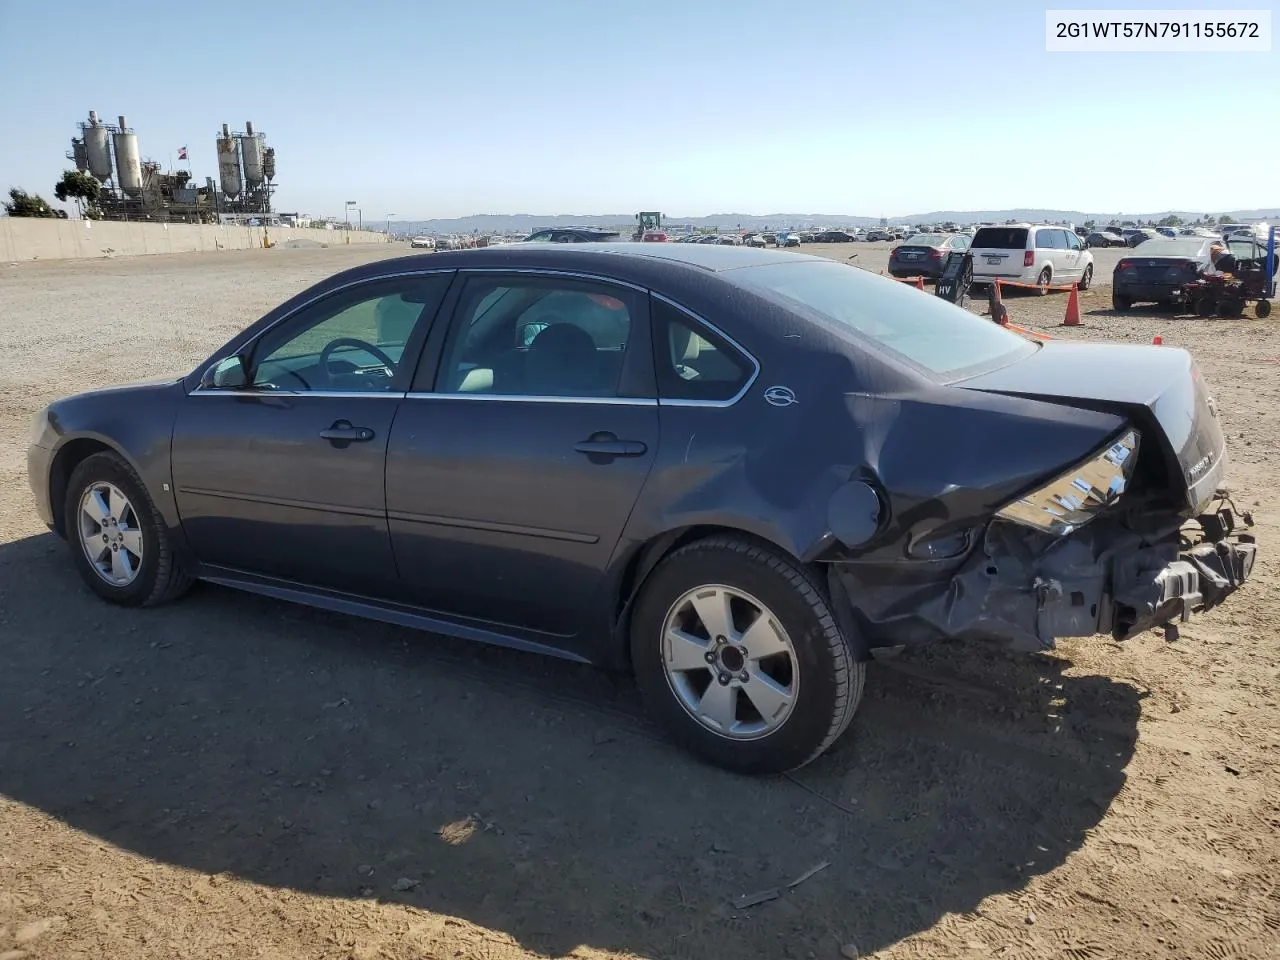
column 562, row 361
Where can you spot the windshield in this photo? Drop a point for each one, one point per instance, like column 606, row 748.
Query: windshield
column 1173, row 248
column 926, row 240
column 943, row 339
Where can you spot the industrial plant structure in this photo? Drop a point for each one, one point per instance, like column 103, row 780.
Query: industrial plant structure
column 136, row 189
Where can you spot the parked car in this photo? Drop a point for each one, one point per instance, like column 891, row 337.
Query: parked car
column 1157, row 272
column 835, row 236
column 923, row 254
column 878, row 235
column 1140, row 236
column 654, row 236
column 789, row 240
column 1103, row 238
column 1031, row 253
column 755, row 240
column 620, row 504
column 573, row 235
column 422, row 243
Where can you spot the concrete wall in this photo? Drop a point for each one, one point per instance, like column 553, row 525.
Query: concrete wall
column 28, row 238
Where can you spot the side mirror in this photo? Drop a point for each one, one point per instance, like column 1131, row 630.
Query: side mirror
column 228, row 373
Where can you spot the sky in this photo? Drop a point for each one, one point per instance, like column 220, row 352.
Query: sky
column 693, row 107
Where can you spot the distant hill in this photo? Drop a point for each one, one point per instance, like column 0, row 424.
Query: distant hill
column 487, row 223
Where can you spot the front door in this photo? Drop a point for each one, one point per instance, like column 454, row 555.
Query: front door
column 281, row 473
column 515, row 464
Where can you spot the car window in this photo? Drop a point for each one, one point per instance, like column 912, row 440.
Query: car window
column 351, row 341
column 1000, row 238
column 537, row 337
column 1045, row 240
column 692, row 362
column 934, row 335
column 1073, row 240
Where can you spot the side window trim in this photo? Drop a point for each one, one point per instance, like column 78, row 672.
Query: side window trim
column 708, row 325
column 413, row 346
column 424, row 385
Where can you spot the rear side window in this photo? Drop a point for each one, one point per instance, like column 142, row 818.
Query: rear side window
column 934, row 335
column 692, row 362
column 1001, row 238
column 1049, row 240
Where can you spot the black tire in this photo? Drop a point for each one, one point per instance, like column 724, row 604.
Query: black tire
column 1262, row 309
column 160, row 578
column 1086, row 278
column 1043, row 281
column 1206, row 307
column 830, row 675
column 1120, row 303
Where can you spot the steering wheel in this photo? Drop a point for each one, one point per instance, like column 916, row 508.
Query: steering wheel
column 333, row 345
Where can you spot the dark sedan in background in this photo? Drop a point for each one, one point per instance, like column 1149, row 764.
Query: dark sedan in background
column 735, row 471
column 923, row 254
column 1105, row 238
column 1160, row 270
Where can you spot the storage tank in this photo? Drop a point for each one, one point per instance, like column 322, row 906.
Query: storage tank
column 128, row 164
column 269, row 163
column 251, row 151
column 228, row 164
column 79, row 154
column 97, row 147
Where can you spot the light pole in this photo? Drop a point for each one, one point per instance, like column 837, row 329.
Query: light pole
column 389, row 216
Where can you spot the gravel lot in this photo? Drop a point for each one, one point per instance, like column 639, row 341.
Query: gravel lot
column 235, row 777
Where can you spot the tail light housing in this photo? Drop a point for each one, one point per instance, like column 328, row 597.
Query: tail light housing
column 935, row 254
column 1124, row 265
column 1029, row 258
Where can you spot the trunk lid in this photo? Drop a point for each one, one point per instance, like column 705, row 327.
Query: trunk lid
column 1159, row 387
column 1158, row 269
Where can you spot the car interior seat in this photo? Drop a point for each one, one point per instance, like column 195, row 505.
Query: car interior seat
column 562, row 361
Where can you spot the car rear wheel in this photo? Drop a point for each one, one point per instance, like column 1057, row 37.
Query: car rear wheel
column 1262, row 309
column 119, row 542
column 1086, row 278
column 1119, row 302
column 738, row 653
column 1042, row 281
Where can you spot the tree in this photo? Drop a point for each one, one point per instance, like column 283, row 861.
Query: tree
column 83, row 188
column 1224, row 219
column 1090, row 224
column 23, row 204
column 1171, row 221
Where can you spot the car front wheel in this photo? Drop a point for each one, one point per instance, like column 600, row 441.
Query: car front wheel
column 119, row 542
column 1087, row 277
column 738, row 653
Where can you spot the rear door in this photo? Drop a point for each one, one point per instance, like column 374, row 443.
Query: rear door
column 515, row 462
column 998, row 252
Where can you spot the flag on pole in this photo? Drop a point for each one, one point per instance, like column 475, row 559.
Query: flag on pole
column 182, row 153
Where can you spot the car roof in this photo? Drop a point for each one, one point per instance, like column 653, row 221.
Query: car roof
column 711, row 257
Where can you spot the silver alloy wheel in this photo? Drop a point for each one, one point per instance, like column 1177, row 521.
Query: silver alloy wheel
column 729, row 662
column 110, row 534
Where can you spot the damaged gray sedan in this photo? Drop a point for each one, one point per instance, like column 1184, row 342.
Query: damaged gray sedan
column 737, row 472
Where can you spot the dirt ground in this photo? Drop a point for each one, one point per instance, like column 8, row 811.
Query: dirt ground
column 232, row 777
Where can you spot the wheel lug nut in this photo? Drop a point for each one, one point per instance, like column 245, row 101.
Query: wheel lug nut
column 724, row 679
column 721, row 640
column 744, row 676
column 105, row 538
column 710, row 657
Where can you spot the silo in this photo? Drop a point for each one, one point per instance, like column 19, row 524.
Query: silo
column 269, row 163
column 128, row 165
column 97, row 147
column 251, row 151
column 228, row 164
column 79, row 154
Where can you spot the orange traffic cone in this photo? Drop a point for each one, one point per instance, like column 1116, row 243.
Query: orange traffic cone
column 999, row 312
column 1157, row 341
column 1072, row 319
column 919, row 283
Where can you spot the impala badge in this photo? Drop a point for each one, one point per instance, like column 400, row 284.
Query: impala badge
column 780, row 396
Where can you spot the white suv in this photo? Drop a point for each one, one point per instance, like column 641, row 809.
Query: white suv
column 1031, row 253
